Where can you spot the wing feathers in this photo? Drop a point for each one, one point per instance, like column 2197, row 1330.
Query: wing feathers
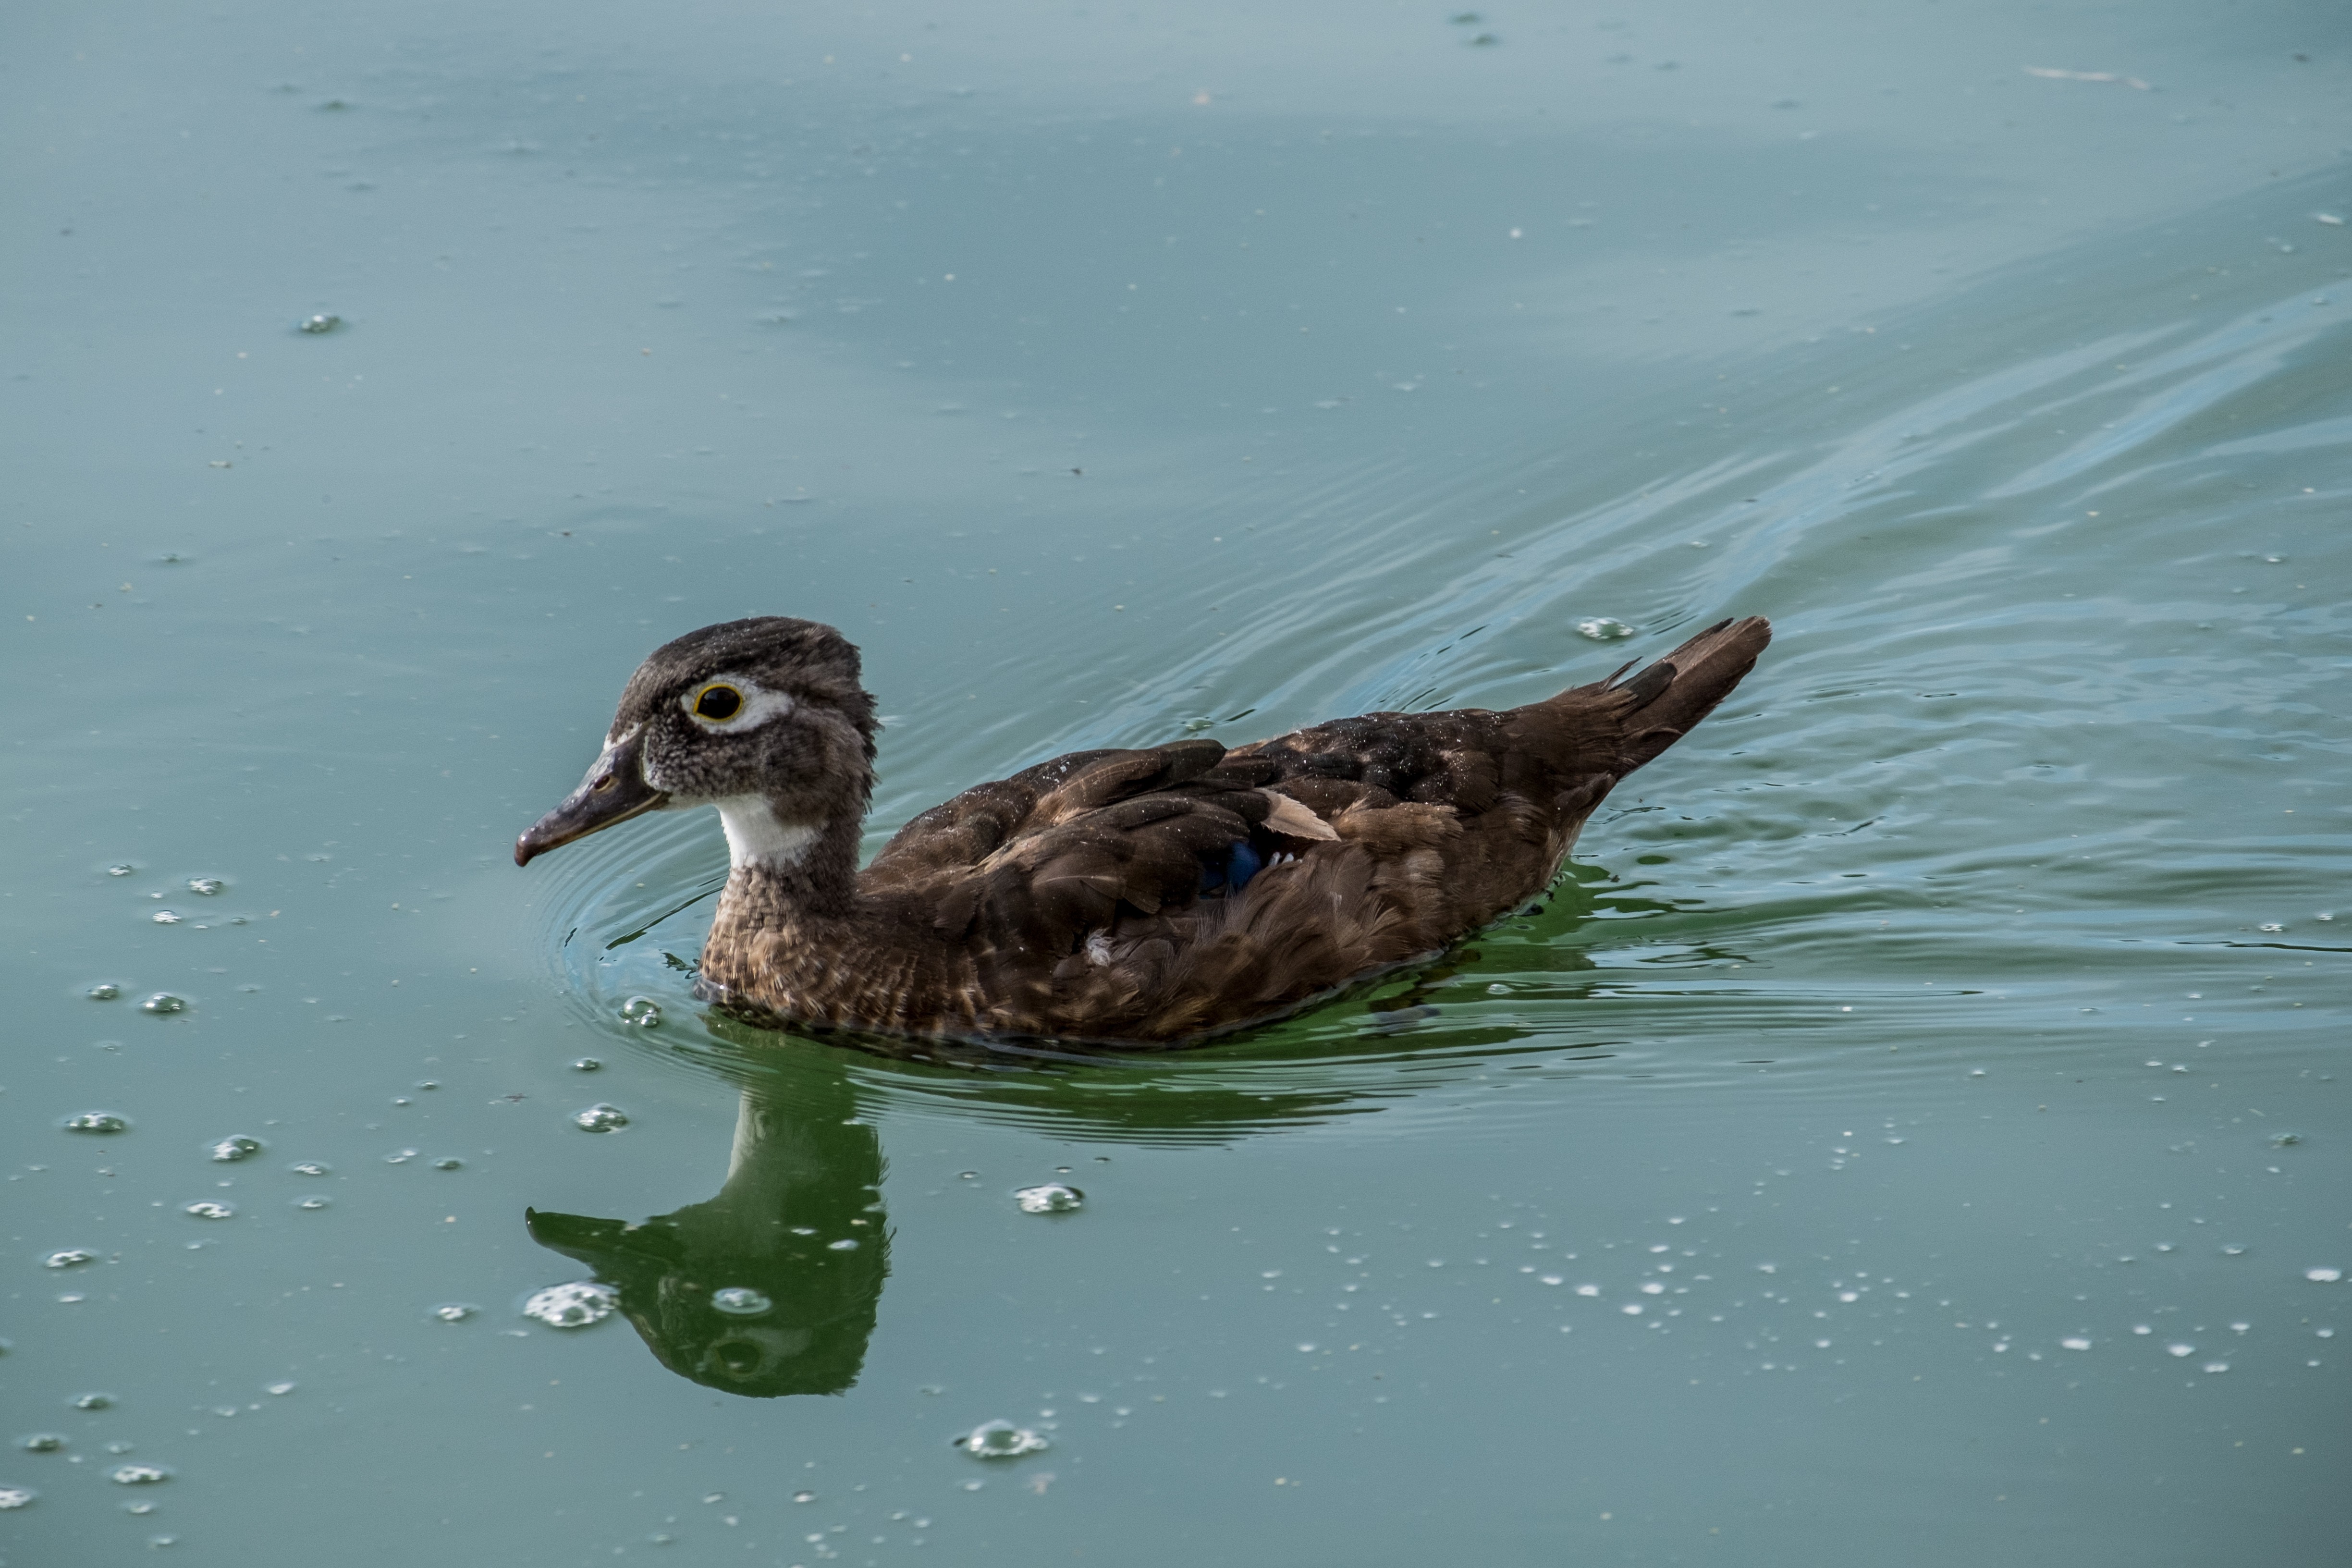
column 1288, row 817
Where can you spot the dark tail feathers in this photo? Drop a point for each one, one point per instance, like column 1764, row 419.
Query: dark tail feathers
column 1665, row 701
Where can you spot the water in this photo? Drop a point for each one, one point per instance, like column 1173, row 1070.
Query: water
column 1914, row 1045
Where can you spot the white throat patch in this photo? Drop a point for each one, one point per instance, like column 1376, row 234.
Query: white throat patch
column 754, row 836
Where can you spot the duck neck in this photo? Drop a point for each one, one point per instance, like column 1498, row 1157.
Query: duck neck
column 779, row 866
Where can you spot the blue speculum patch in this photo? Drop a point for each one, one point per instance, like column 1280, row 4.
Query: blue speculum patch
column 1241, row 863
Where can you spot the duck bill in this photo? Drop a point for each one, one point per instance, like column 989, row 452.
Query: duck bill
column 615, row 791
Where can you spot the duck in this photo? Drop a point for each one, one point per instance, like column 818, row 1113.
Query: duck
column 1133, row 898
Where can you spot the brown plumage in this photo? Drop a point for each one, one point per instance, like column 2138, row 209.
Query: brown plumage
column 1112, row 897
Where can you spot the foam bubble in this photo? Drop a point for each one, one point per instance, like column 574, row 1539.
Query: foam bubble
column 740, row 1302
column 572, row 1306
column 1001, row 1441
column 1051, row 1197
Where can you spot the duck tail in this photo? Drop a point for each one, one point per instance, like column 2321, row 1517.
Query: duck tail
column 1659, row 705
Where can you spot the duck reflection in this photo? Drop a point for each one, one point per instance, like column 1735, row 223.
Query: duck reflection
column 771, row 1287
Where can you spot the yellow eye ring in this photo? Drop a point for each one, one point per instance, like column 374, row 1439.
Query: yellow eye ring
column 717, row 702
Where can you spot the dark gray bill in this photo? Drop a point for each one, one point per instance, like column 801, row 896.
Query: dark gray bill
column 615, row 791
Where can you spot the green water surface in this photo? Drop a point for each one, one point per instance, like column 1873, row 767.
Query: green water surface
column 1913, row 1132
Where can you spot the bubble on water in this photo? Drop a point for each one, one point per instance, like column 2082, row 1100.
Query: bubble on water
column 804, row 1496
column 1052, row 1198
column 237, row 1146
column 1588, row 1290
column 2271, row 926
column 1632, row 1309
column 280, row 1388
column 2180, row 1348
column 600, row 1118
column 1553, row 1279
column 42, row 1443
column 1001, row 1441
column 321, row 322
column 96, row 1121
column 69, row 1257
column 1194, row 726
column 740, row 1302
column 92, row 1401
column 207, row 885
column 1603, row 628
column 846, row 1244
column 2216, row 1366
column 643, row 1012
column 209, row 1208
column 138, row 1475
column 572, row 1306
column 2323, row 1275
column 453, row 1311
column 104, row 991
column 164, row 1002
column 124, row 870
column 309, row 1168
column 311, row 1203
column 2233, row 1250
column 16, row 1497
column 586, row 1064
column 2142, row 1329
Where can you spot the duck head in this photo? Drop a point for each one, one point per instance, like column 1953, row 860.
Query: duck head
column 764, row 719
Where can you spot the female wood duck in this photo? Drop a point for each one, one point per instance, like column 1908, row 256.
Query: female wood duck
column 1148, row 897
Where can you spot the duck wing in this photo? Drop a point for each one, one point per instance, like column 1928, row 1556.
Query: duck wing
column 1056, row 849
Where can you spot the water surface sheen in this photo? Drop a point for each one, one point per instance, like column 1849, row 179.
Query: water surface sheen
column 1913, row 1129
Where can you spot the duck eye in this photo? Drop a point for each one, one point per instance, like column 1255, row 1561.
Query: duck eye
column 718, row 702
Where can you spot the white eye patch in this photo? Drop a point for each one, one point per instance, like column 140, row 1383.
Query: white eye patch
column 730, row 704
